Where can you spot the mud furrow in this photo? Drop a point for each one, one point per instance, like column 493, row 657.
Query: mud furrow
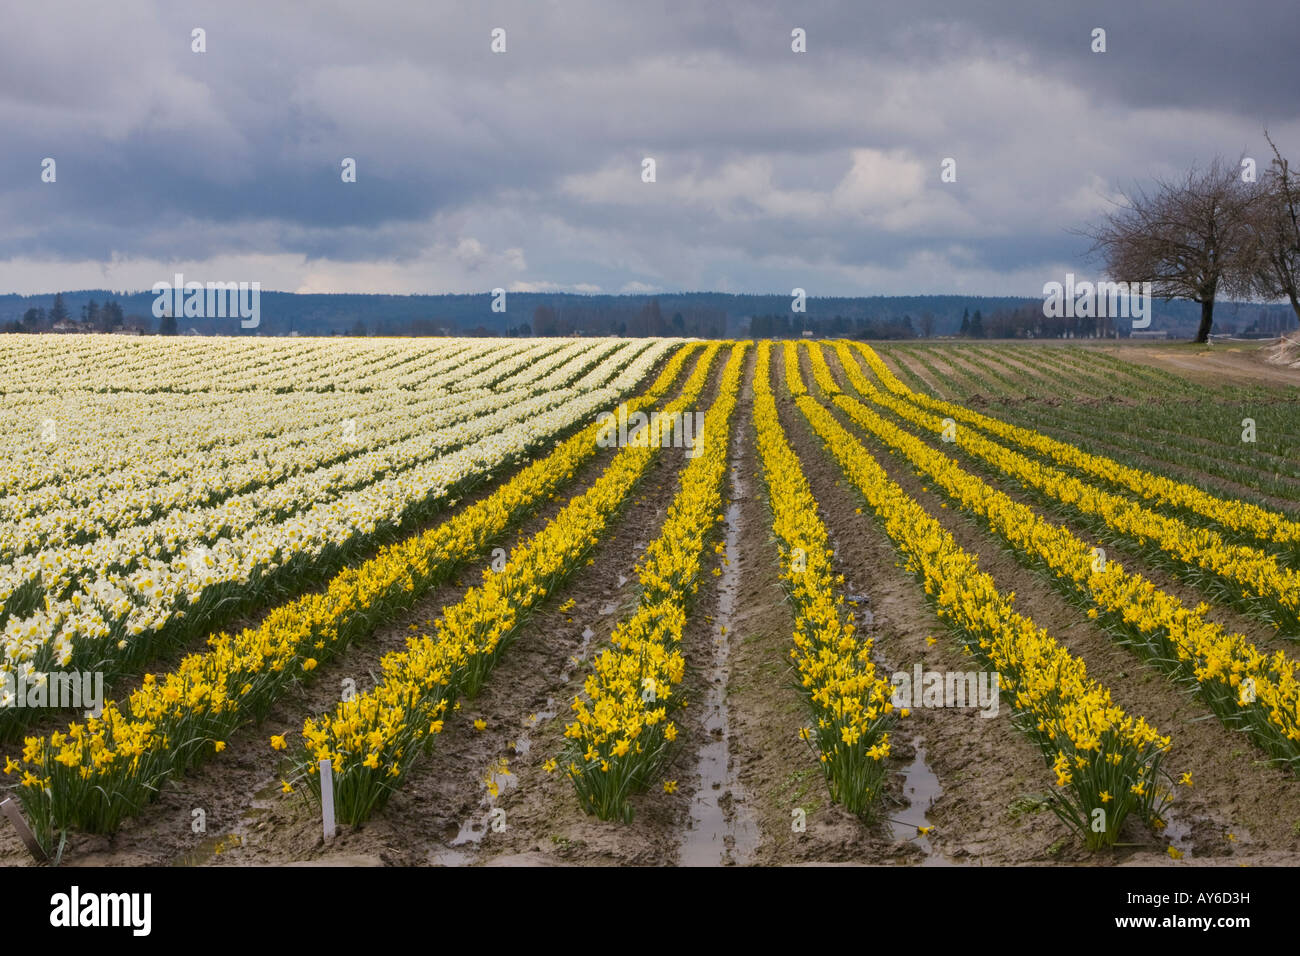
column 1233, row 792
column 985, row 769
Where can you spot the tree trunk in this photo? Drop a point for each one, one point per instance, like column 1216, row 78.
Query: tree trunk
column 1207, row 319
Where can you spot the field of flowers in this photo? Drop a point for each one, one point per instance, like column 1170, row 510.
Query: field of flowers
column 514, row 629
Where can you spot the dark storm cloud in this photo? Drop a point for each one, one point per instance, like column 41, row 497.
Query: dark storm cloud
column 523, row 169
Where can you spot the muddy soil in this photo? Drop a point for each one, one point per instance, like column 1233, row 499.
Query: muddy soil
column 1238, row 809
column 739, row 787
column 1215, row 364
column 244, row 816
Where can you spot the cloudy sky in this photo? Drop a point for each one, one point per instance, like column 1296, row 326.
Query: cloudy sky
column 523, row 169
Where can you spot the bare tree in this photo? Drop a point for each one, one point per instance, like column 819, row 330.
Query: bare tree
column 1188, row 238
column 1274, row 234
column 927, row 324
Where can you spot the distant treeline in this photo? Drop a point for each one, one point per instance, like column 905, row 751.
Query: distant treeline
column 107, row 316
column 698, row 314
column 785, row 326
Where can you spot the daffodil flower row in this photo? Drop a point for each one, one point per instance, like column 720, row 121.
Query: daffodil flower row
column 181, row 398
column 373, row 739
column 1107, row 763
column 119, row 364
column 1244, row 686
column 851, row 702
column 76, row 510
column 99, row 772
column 1264, row 525
column 1252, row 575
column 622, row 722
column 95, row 616
column 188, row 437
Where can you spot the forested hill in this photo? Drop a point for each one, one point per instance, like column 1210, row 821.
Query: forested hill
column 696, row 313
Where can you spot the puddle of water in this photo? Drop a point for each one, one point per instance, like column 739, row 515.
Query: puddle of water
column 212, row 847
column 502, row 778
column 920, row 788
column 523, row 744
column 1178, row 832
column 473, row 830
column 470, row 834
column 209, row 849
column 544, row 715
column 449, row 857
column 721, row 830
column 579, row 655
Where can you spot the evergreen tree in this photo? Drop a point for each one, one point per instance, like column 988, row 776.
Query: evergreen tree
column 59, row 311
column 651, row 319
column 544, row 321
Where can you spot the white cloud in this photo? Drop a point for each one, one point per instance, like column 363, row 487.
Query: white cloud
column 523, row 170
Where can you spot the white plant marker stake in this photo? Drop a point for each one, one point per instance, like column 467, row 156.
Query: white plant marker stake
column 24, row 831
column 327, row 798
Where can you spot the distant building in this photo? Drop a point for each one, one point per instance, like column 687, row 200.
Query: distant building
column 1149, row 334
column 65, row 325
